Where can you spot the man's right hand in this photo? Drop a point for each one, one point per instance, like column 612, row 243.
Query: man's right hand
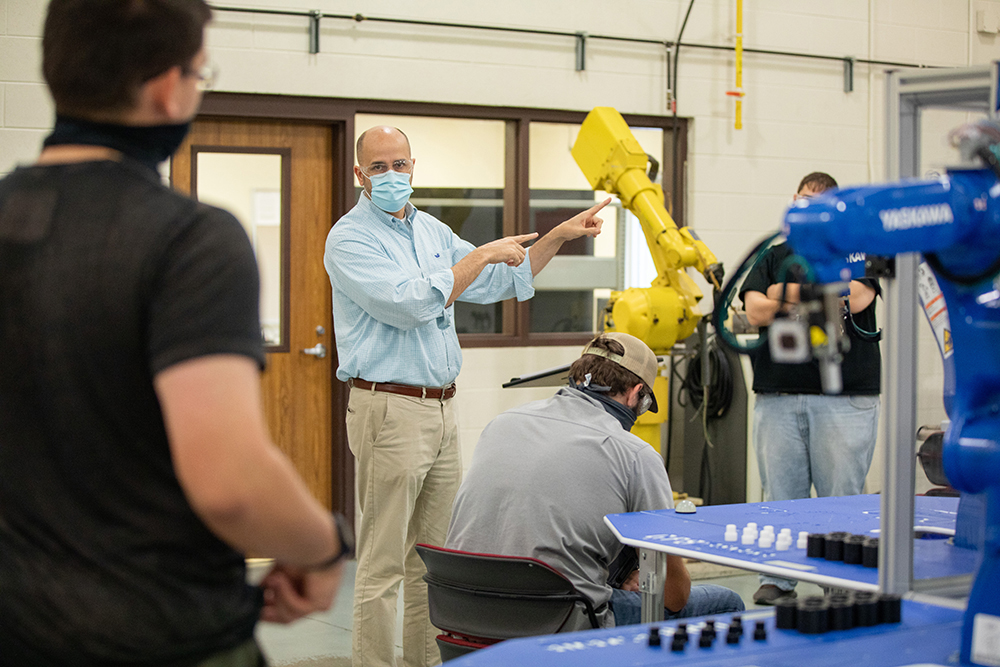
column 509, row 250
column 291, row 593
column 632, row 582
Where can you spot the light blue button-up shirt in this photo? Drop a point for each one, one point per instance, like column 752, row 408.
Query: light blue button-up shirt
column 391, row 280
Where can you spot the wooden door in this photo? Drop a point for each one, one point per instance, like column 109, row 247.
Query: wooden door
column 298, row 383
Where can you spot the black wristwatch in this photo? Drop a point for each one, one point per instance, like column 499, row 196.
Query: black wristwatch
column 346, row 537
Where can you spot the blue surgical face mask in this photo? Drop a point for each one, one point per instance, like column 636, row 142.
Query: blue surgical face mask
column 391, row 190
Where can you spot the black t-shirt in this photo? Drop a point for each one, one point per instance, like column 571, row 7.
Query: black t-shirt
column 861, row 368
column 106, row 278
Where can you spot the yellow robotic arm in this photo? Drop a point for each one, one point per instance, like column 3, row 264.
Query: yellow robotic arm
column 667, row 311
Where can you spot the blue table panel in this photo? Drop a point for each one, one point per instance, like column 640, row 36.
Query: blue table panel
column 700, row 536
column 928, row 635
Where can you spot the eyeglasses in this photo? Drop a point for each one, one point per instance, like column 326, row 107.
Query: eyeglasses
column 377, row 168
column 205, row 76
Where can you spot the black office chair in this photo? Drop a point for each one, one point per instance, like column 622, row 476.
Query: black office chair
column 477, row 600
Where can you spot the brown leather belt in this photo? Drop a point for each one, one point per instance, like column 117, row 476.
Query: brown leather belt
column 442, row 393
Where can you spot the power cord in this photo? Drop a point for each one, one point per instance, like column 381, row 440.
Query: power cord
column 716, row 395
column 724, row 299
column 720, row 385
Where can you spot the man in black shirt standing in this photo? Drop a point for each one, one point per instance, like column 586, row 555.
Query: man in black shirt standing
column 135, row 464
column 804, row 438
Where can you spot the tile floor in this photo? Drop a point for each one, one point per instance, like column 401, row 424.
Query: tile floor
column 324, row 640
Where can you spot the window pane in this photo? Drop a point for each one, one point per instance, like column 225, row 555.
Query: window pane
column 559, row 191
column 563, row 311
column 458, row 177
column 249, row 185
column 475, row 214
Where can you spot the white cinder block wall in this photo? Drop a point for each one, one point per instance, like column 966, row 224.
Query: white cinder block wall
column 796, row 116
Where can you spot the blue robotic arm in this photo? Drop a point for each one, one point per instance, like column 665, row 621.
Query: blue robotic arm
column 957, row 217
column 954, row 221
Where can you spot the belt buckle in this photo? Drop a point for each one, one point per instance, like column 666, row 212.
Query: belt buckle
column 423, row 394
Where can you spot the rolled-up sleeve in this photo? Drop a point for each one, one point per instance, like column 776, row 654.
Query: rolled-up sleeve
column 372, row 280
column 444, row 283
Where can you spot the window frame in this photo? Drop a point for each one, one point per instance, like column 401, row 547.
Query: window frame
column 340, row 112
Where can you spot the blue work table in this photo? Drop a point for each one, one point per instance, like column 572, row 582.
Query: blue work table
column 927, row 635
column 700, row 536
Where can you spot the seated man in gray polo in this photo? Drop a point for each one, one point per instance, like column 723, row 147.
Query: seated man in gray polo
column 545, row 474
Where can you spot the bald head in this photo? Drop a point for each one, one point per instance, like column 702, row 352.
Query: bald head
column 380, row 136
column 380, row 149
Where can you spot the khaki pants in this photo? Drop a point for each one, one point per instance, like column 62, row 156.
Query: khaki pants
column 409, row 470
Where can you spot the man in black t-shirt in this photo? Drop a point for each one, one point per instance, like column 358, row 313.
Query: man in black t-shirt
column 802, row 437
column 135, row 464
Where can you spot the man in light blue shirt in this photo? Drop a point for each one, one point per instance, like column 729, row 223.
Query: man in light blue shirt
column 396, row 273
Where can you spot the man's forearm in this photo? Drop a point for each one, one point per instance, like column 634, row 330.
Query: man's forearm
column 677, row 588
column 585, row 223
column 275, row 516
column 466, row 271
column 237, row 482
column 543, row 251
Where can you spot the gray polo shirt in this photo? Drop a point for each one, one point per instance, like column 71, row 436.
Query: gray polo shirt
column 542, row 478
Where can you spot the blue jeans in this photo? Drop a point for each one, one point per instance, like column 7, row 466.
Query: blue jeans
column 806, row 440
column 704, row 600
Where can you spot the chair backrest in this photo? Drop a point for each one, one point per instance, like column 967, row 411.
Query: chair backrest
column 500, row 597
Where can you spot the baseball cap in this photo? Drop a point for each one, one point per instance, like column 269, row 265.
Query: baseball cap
column 637, row 358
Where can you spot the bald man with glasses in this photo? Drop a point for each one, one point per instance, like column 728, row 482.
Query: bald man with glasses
column 396, row 273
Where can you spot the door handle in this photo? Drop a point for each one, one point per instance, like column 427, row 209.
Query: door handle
column 318, row 351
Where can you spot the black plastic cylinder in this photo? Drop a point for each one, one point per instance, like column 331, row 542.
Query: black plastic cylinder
column 852, row 549
column 784, row 613
column 841, row 596
column 834, row 545
column 816, row 545
column 841, row 613
column 865, row 609
column 813, row 615
column 869, row 552
column 890, row 609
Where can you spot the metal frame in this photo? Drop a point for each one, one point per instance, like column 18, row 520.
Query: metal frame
column 908, row 93
column 652, row 577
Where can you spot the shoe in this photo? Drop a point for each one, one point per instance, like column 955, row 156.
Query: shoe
column 768, row 594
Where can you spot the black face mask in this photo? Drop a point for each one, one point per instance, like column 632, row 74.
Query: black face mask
column 625, row 416
column 147, row 144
